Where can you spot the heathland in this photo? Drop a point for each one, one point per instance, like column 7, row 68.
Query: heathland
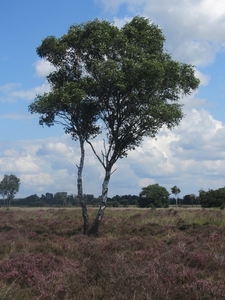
column 139, row 254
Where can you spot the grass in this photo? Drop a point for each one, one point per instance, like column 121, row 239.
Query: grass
column 139, row 254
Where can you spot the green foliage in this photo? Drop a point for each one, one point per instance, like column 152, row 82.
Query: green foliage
column 129, row 73
column 113, row 70
column 175, row 190
column 212, row 198
column 222, row 207
column 119, row 79
column 60, row 198
column 131, row 199
column 190, row 199
column 9, row 186
column 151, row 205
column 115, row 204
column 124, row 202
column 154, row 195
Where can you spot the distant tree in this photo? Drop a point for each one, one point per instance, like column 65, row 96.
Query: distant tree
column 115, row 204
column 60, row 198
column 70, row 199
column 88, row 198
column 175, row 190
column 132, row 199
column 3, row 189
column 95, row 201
column 124, row 73
column 212, row 198
column 154, row 194
column 32, row 200
column 172, row 201
column 9, row 186
column 190, row 199
column 124, row 202
column 49, row 199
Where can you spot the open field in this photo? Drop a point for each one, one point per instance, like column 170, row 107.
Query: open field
column 139, row 254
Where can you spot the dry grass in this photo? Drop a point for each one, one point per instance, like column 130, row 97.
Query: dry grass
column 140, row 254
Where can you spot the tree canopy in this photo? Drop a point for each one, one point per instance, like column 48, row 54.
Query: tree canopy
column 212, row 198
column 9, row 186
column 175, row 190
column 130, row 82
column 154, row 195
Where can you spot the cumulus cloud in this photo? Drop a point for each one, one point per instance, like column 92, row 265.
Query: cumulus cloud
column 192, row 156
column 12, row 91
column 31, row 93
column 188, row 156
column 193, row 29
column 16, row 116
column 49, row 165
column 204, row 79
column 43, row 68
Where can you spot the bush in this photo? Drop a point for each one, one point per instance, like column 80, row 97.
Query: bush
column 222, row 206
column 115, row 204
column 154, row 195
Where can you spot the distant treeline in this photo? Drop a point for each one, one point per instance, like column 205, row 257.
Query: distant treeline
column 61, row 199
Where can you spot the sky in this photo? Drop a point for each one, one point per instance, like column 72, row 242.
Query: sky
column 191, row 156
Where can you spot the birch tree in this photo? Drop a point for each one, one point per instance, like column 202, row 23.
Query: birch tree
column 68, row 106
column 175, row 190
column 128, row 76
column 137, row 86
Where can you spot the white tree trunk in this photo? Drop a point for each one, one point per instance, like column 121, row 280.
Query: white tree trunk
column 80, row 187
column 95, row 225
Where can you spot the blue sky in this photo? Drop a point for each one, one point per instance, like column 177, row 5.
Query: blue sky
column 192, row 156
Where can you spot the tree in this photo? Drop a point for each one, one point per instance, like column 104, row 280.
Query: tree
column 60, row 198
column 212, row 198
column 136, row 84
column 154, row 194
column 9, row 186
column 67, row 103
column 3, row 189
column 190, row 199
column 175, row 190
column 128, row 76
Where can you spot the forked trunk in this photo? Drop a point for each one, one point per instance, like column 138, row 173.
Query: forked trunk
column 97, row 221
column 80, row 188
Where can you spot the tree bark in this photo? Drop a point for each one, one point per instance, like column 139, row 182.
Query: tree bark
column 97, row 221
column 80, row 188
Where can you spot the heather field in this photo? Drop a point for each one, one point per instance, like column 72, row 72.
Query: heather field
column 140, row 254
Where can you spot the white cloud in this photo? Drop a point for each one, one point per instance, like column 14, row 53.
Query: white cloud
column 121, row 22
column 16, row 116
column 5, row 91
column 55, row 148
column 7, row 88
column 43, row 68
column 192, row 156
column 193, row 29
column 12, row 91
column 31, row 93
column 204, row 79
column 10, row 163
